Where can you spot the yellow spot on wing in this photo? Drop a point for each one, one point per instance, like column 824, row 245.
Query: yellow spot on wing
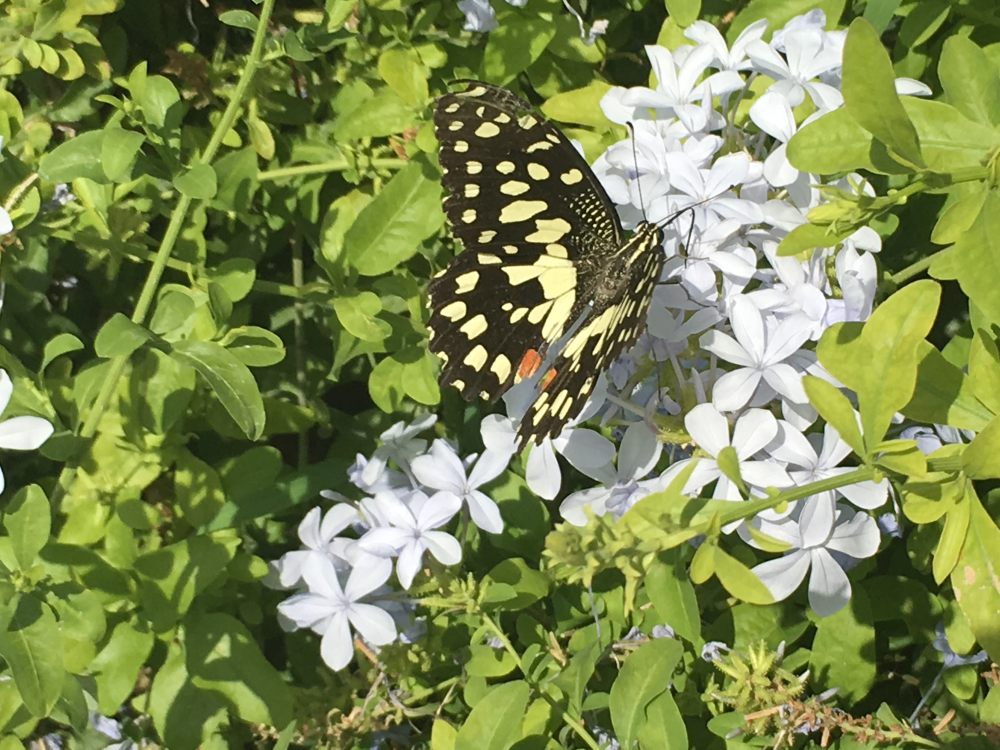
column 488, row 259
column 518, row 314
column 514, row 187
column 524, row 210
column 548, row 230
column 487, row 130
column 501, row 367
column 505, row 167
column 473, row 167
column 540, row 146
column 469, row 215
column 503, row 118
column 537, row 171
column 455, row 125
column 558, row 251
column 471, row 190
column 486, row 235
column 476, row 358
column 454, row 310
column 475, row 326
column 466, row 282
column 461, row 147
column 527, row 121
column 571, row 177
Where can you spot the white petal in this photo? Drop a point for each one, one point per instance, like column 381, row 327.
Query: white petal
column 384, row 542
column 24, row 433
column 754, row 430
column 309, row 530
column 764, row 474
column 748, row 327
column 639, row 452
column 444, row 547
column 734, row 389
column 726, row 347
column 337, row 646
column 305, row 610
column 6, row 225
column 410, row 559
column 783, row 575
column 366, row 578
column 374, row 623
column 708, row 428
column 858, row 537
column 867, row 494
column 816, row 518
column 586, row 448
column 542, row 470
column 338, row 518
column 6, row 390
column 489, row 466
column 321, row 577
column 440, row 508
column 829, row 588
column 441, row 469
column 484, row 512
column 572, row 507
column 772, row 114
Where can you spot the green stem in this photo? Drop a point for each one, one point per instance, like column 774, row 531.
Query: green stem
column 901, row 277
column 334, row 165
column 149, row 288
column 751, row 508
column 571, row 721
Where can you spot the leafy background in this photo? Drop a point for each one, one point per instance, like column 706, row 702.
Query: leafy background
column 231, row 307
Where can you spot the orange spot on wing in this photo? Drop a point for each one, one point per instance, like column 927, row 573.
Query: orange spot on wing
column 529, row 365
column 549, row 377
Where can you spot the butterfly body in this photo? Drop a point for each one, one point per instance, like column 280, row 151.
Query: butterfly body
column 543, row 248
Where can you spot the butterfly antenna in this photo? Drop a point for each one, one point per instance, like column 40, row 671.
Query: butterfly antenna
column 635, row 160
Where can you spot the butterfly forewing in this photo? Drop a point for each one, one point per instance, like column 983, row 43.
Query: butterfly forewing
column 539, row 233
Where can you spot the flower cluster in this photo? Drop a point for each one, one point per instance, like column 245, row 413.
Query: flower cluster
column 342, row 580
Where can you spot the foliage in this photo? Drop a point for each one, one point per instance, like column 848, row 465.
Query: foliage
column 221, row 227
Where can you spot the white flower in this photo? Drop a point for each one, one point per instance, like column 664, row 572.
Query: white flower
column 725, row 58
column 639, row 452
column 318, row 539
column 710, row 431
column 412, row 531
column 19, row 433
column 442, row 469
column 330, row 610
column 852, row 533
column 794, row 77
column 479, row 15
column 399, row 444
column 760, row 353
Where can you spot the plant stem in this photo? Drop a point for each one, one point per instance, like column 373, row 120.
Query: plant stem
column 152, row 283
column 334, row 165
column 901, row 277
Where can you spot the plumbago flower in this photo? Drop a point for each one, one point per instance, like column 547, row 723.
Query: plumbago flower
column 25, row 433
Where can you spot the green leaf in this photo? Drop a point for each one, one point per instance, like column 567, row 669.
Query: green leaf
column 171, row 577
column 406, row 75
column 443, row 735
column 495, row 722
column 739, row 580
column 780, row 12
column 879, row 360
column 664, row 728
column 339, row 218
column 684, row 12
column 235, row 275
column 645, row 674
column 219, row 304
column 229, row 378
column 80, row 156
column 419, row 375
column 843, row 651
column 512, row 47
column 160, row 389
column 28, row 521
column 880, row 12
column 958, row 217
column 835, row 409
column 183, row 714
column 117, row 666
column 869, row 90
column 223, row 657
column 949, row 548
column 119, row 336
column 118, row 151
column 385, row 385
column 580, row 106
column 976, row 257
column 255, row 346
column 528, row 585
column 970, row 80
column 32, row 647
column 832, row 143
column 669, row 589
column 199, row 182
column 384, row 114
column 197, row 488
column 975, row 581
column 389, row 229
column 240, row 19
column 486, row 661
column 575, row 676
column 948, row 140
column 943, row 394
column 981, row 457
column 357, row 312
column 173, row 309
column 60, row 344
column 157, row 99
